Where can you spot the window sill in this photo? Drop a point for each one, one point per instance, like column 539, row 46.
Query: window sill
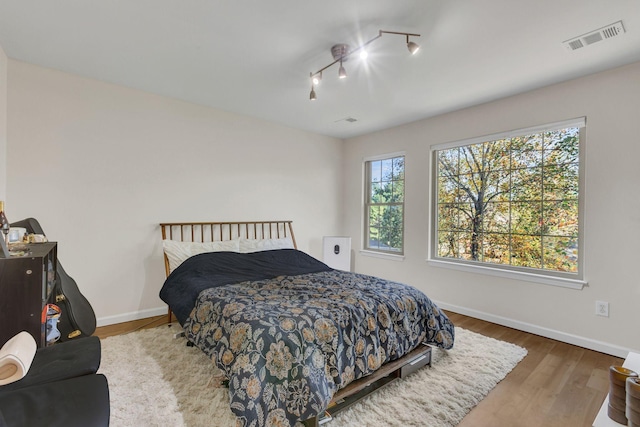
column 382, row 255
column 517, row 275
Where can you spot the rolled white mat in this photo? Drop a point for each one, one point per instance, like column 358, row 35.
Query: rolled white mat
column 16, row 356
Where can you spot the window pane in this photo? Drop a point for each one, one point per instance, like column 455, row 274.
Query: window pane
column 465, row 246
column 398, row 168
column 561, row 254
column 447, row 217
column 563, row 139
column 447, row 190
column 497, row 155
column 561, row 182
column 495, row 249
column 561, row 218
column 387, row 169
column 448, row 162
column 527, row 184
column 526, row 218
column 374, row 227
column 498, row 186
column 526, row 251
column 376, row 192
column 466, row 216
column 397, row 194
column 376, row 171
column 393, row 228
column 469, row 186
column 448, row 244
column 496, row 218
column 471, row 158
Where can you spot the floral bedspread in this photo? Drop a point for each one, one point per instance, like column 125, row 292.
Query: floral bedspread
column 288, row 344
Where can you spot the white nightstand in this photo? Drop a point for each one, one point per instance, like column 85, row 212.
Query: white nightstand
column 602, row 419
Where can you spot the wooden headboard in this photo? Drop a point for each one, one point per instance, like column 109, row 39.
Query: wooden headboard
column 221, row 231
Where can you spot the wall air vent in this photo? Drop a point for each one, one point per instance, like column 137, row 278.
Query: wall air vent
column 595, row 36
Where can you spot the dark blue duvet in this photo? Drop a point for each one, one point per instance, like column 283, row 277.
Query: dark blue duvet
column 288, row 331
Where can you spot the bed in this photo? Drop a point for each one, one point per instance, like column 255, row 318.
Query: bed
column 296, row 340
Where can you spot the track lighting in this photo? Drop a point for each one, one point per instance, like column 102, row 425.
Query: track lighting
column 341, row 53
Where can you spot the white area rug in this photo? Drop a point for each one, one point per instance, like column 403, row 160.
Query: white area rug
column 156, row 380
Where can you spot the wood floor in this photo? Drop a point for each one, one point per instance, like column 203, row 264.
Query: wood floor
column 555, row 385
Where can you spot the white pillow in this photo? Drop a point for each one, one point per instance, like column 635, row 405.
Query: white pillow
column 177, row 252
column 252, row 245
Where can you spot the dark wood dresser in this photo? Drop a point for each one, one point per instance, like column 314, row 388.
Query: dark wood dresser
column 25, row 285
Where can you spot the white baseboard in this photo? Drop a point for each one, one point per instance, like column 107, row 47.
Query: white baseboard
column 134, row 315
column 599, row 346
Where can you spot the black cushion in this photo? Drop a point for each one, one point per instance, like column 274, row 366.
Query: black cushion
column 76, row 402
column 69, row 359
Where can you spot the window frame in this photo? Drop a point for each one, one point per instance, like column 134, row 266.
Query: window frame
column 565, row 279
column 366, row 197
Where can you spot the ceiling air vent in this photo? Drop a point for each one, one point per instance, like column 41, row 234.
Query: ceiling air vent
column 346, row 119
column 592, row 37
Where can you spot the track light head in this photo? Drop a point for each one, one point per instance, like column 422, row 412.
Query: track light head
column 413, row 47
column 342, row 73
column 316, row 78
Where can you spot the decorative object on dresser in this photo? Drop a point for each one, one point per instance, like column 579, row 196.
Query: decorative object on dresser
column 275, row 319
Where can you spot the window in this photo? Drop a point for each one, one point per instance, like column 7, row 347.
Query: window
column 511, row 201
column 384, row 205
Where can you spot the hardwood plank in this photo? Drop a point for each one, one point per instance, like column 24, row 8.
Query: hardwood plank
column 555, row 385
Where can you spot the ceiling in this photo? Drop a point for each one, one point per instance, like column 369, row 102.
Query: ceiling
column 254, row 57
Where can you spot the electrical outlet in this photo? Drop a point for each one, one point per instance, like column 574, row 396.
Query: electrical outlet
column 602, row 308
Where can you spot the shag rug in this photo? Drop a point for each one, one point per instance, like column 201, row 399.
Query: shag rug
column 156, row 380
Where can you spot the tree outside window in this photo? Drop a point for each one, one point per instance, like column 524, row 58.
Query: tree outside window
column 511, row 201
column 384, row 205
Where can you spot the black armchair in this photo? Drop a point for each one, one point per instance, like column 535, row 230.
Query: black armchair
column 61, row 388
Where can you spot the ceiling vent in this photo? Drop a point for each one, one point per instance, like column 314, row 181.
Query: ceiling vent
column 612, row 30
column 346, row 119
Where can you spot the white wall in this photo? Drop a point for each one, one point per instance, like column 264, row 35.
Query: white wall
column 101, row 165
column 611, row 103
column 3, row 125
